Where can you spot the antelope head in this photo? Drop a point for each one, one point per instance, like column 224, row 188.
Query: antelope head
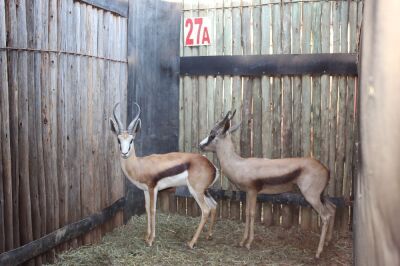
column 125, row 137
column 220, row 130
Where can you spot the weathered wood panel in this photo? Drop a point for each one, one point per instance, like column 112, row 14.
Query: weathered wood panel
column 154, row 48
column 54, row 110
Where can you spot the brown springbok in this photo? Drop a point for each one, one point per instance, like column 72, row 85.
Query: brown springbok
column 271, row 176
column 160, row 171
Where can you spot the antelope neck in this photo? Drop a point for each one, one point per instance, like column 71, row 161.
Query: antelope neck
column 227, row 155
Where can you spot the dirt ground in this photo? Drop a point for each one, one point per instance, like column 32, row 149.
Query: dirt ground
column 272, row 246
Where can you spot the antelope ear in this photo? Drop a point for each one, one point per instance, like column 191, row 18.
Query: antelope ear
column 113, row 126
column 235, row 127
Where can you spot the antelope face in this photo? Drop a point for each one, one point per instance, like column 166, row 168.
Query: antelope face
column 125, row 137
column 210, row 142
column 125, row 141
column 219, row 132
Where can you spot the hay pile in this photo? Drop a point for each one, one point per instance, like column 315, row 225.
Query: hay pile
column 271, row 246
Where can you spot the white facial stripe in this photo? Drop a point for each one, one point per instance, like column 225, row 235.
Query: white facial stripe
column 204, row 141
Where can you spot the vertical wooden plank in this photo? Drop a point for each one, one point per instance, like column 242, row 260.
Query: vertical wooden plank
column 123, row 86
column 334, row 101
column 237, row 35
column 52, row 112
column 325, row 83
column 13, row 113
column 287, row 128
column 350, row 119
column 316, row 96
column 84, row 83
column 227, row 88
column 5, row 135
column 267, row 104
column 277, row 85
column 36, row 173
column 62, row 186
column 25, row 214
column 297, row 88
column 341, row 126
column 286, row 84
column 276, row 94
column 189, row 99
column 94, row 134
column 199, row 106
column 306, row 104
column 105, row 78
column 247, row 83
column 44, row 117
column 256, row 133
column 2, row 218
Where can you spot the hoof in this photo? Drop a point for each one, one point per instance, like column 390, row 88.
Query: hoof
column 209, row 237
column 241, row 243
column 190, row 245
column 248, row 246
column 149, row 242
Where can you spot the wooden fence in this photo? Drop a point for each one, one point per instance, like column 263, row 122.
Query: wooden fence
column 282, row 116
column 62, row 68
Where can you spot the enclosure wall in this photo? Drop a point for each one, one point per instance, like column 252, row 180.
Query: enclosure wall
column 282, row 116
column 62, row 68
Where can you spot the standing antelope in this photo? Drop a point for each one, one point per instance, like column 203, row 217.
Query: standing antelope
column 261, row 175
column 160, row 171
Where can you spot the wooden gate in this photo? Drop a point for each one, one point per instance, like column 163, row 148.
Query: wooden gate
column 62, row 67
column 282, row 116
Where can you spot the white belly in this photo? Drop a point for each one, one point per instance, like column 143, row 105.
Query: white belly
column 173, row 181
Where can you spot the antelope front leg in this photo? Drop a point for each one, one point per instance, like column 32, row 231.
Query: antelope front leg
column 152, row 205
column 252, row 198
column 147, row 205
column 246, row 227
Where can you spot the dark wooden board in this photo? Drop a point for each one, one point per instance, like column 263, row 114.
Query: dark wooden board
column 282, row 64
column 284, row 198
column 153, row 79
column 68, row 232
column 119, row 7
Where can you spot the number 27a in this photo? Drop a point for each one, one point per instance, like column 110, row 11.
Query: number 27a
column 205, row 38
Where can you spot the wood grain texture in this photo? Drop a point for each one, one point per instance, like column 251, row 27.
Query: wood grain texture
column 6, row 165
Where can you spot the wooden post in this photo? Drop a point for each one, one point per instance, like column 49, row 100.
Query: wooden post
column 377, row 240
column 306, row 104
column 267, row 103
column 5, row 136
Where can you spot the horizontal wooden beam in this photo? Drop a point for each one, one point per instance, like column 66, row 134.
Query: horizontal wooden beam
column 284, row 198
column 119, row 7
column 68, row 232
column 282, row 64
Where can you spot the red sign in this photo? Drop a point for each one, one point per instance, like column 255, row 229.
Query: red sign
column 197, row 31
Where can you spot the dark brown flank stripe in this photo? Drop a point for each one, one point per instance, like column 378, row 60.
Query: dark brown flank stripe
column 278, row 180
column 176, row 170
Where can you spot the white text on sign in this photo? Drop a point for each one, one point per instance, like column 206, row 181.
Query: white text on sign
column 197, row 31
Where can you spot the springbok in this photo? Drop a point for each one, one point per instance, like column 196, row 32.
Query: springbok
column 272, row 176
column 160, row 171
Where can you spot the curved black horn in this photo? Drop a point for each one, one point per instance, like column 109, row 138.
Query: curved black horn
column 233, row 114
column 120, row 125
column 132, row 124
column 222, row 122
